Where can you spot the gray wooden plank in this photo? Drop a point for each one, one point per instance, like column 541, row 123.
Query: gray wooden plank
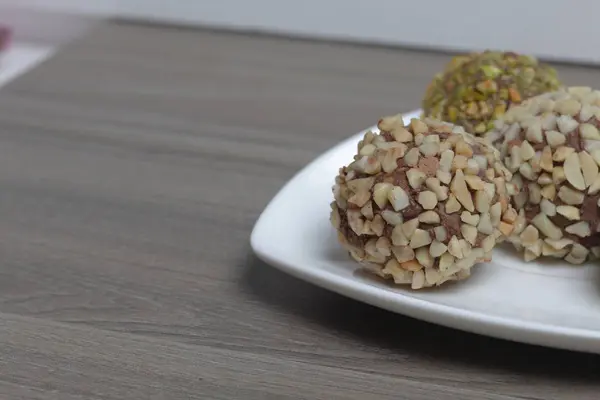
column 73, row 362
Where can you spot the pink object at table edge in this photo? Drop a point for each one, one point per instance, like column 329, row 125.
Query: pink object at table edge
column 5, row 37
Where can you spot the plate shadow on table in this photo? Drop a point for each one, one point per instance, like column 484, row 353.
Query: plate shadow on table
column 387, row 331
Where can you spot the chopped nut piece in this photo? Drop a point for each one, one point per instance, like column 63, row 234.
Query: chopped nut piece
column 463, row 149
column 459, row 188
column 429, row 149
column 434, row 185
column 459, row 162
column 488, row 243
column 401, row 135
column 482, row 201
column 544, row 179
column 446, row 159
column 398, row 198
column 432, row 276
column 429, row 217
column 474, row 182
column 399, row 237
column 490, row 190
column 383, row 246
column 510, row 216
column 403, row 253
column 561, row 153
column 452, row 205
column 546, row 159
column 568, row 212
column 411, row 158
column 465, row 247
column 360, row 198
column 427, row 199
column 527, row 172
column 388, row 123
column 496, row 213
column 529, row 236
column 581, row 229
column 558, row 175
column 420, row 238
column 549, row 192
column 380, row 193
column 586, row 113
column 485, row 224
column 506, row 228
column 415, row 178
column 446, row 260
column 568, row 107
column 572, row 168
column 436, row 249
column 469, row 232
column 367, row 150
column 570, row 196
column 527, row 152
column 389, row 161
column 454, row 247
column 418, row 280
column 589, row 131
column 534, row 133
column 472, row 167
column 555, row 138
column 579, row 251
column 566, row 124
column 411, row 265
column 481, row 161
column 424, row 258
column 391, row 217
column 471, row 219
column 361, row 185
column 589, row 168
column 418, row 126
column 377, row 225
column 544, row 225
column 548, row 208
column 367, row 228
column 444, row 177
column 441, row 234
column 367, row 210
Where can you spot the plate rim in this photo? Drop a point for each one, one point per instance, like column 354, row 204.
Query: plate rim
column 534, row 333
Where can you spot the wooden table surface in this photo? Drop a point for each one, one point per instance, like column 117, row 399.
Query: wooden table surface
column 133, row 166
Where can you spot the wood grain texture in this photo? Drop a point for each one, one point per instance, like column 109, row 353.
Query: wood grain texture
column 133, row 166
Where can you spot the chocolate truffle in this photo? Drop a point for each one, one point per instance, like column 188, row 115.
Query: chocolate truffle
column 551, row 144
column 475, row 89
column 422, row 203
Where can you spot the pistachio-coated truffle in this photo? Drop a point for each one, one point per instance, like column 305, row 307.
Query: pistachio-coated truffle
column 475, row 89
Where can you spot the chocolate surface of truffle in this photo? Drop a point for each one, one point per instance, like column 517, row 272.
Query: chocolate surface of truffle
column 475, row 89
column 551, row 144
column 422, row 203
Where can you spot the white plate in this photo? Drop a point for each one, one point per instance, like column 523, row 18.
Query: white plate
column 550, row 304
column 20, row 58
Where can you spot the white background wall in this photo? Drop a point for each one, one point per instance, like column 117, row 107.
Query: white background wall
column 556, row 29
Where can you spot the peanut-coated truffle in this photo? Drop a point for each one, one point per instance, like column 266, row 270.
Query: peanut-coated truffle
column 475, row 89
column 422, row 203
column 551, row 144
